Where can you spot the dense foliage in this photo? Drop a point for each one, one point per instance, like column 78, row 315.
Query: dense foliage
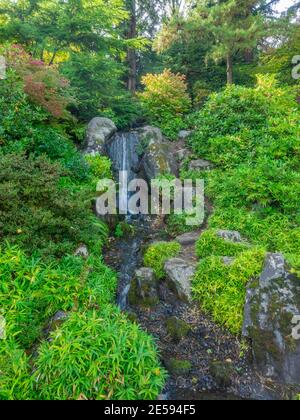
column 166, row 101
column 158, row 253
column 252, row 136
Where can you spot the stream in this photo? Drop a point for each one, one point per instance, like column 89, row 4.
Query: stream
column 206, row 345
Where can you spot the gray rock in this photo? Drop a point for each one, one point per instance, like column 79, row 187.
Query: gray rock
column 200, row 165
column 188, row 238
column 82, row 251
column 158, row 158
column 184, row 134
column 99, row 131
column 272, row 305
column 144, row 288
column 179, row 275
column 182, row 154
column 230, row 235
column 228, row 260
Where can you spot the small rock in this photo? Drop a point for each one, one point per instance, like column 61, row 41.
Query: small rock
column 177, row 328
column 178, row 367
column 228, row 260
column 188, row 238
column 179, row 275
column 144, row 288
column 200, row 165
column 230, row 235
column 221, row 372
column 82, row 251
column 184, row 134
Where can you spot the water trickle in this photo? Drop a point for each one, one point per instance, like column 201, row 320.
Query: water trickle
column 122, row 150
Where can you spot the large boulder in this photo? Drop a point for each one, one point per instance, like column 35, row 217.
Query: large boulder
column 99, row 131
column 179, row 275
column 272, row 307
column 144, row 288
column 158, row 158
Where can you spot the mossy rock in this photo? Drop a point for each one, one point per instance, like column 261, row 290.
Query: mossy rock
column 177, row 328
column 178, row 367
column 144, row 289
column 222, row 373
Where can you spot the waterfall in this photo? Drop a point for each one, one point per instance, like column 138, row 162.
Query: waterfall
column 122, row 150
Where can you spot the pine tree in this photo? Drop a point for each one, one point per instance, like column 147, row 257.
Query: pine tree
column 234, row 25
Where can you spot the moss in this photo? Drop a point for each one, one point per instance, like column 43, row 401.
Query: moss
column 178, row 367
column 158, row 253
column 177, row 328
column 142, row 293
column 210, row 243
column 222, row 373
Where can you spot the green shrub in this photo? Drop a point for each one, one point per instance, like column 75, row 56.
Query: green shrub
column 166, row 101
column 221, row 288
column 32, row 291
column 210, row 243
column 255, row 145
column 158, row 253
column 37, row 214
column 15, row 380
column 99, row 355
column 100, row 166
column 176, row 225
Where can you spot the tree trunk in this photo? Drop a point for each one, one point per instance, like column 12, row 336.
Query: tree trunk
column 229, row 69
column 131, row 55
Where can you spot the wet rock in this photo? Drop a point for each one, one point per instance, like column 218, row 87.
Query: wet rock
column 272, row 306
column 188, row 238
column 177, row 328
column 144, row 288
column 178, row 367
column 230, row 235
column 184, row 134
column 200, row 165
column 179, row 275
column 221, row 372
column 99, row 131
column 158, row 158
column 82, row 251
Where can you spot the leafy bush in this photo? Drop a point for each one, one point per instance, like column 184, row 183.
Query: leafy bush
column 176, row 225
column 221, row 288
column 166, row 101
column 210, row 243
column 158, row 253
column 42, row 83
column 99, row 355
column 32, row 291
column 252, row 135
column 39, row 215
column 100, row 166
column 15, row 380
column 97, row 348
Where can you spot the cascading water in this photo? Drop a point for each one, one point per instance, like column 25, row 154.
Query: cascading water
column 122, row 150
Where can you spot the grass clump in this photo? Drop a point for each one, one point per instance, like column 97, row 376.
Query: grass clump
column 210, row 243
column 221, row 288
column 158, row 253
column 99, row 355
